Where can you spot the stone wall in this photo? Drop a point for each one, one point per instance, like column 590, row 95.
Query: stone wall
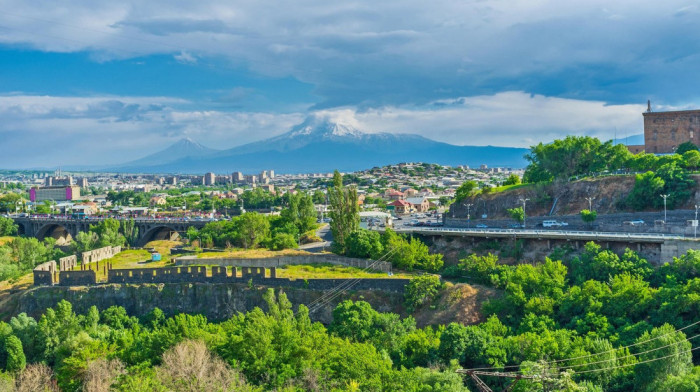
column 68, row 263
column 286, row 260
column 215, row 301
column 44, row 273
column 256, row 275
column 77, row 278
column 100, row 254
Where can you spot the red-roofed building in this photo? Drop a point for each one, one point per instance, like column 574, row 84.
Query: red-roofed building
column 402, row 206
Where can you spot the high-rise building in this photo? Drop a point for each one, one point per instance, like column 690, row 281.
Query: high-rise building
column 210, row 179
column 237, row 177
column 272, row 174
column 55, row 193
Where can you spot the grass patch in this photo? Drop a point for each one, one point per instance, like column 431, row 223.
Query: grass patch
column 509, row 187
column 251, row 253
column 331, row 271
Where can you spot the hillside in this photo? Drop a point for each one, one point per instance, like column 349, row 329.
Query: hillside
column 558, row 198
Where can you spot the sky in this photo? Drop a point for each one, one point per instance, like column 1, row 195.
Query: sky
column 105, row 82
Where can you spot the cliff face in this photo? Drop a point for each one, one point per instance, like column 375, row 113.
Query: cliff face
column 560, row 198
column 215, row 301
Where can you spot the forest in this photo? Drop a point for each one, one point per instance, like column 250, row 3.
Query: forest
column 589, row 322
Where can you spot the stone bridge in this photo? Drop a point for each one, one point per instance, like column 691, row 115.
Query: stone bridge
column 64, row 228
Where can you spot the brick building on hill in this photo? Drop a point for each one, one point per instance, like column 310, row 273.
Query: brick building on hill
column 665, row 131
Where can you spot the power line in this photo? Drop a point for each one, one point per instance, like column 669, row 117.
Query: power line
column 591, row 355
column 637, row 363
column 633, row 355
column 342, row 287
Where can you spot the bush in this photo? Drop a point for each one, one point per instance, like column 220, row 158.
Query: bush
column 282, row 241
column 422, row 289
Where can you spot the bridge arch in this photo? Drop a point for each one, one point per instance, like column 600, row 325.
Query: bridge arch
column 159, row 232
column 55, row 230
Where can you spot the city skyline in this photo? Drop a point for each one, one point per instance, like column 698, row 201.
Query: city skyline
column 108, row 83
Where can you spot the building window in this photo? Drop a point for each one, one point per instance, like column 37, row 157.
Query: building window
column 691, row 135
column 673, row 135
column 655, row 136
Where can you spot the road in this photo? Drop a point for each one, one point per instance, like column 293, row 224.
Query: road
column 551, row 234
column 316, row 247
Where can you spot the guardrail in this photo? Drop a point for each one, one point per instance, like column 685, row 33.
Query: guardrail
column 547, row 233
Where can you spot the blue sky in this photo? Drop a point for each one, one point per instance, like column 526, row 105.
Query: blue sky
column 103, row 82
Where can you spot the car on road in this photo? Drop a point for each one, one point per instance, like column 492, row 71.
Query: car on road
column 482, row 226
column 516, row 226
column 553, row 223
column 637, row 222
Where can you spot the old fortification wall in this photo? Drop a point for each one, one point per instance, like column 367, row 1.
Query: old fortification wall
column 219, row 274
column 44, row 273
column 100, row 254
column 68, row 263
column 286, row 260
column 215, row 301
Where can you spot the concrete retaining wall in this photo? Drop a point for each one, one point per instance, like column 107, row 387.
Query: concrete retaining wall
column 286, row 260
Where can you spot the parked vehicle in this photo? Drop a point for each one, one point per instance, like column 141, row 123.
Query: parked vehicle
column 481, row 226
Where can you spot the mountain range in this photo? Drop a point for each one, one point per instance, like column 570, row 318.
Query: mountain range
column 320, row 145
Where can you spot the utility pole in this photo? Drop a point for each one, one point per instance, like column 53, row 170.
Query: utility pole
column 664, row 196
column 469, row 208
column 524, row 201
column 482, row 387
column 590, row 203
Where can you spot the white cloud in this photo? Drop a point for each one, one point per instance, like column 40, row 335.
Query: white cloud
column 60, row 131
column 40, row 131
column 366, row 51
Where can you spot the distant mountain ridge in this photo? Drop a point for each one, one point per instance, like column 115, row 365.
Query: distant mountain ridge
column 320, row 144
column 183, row 148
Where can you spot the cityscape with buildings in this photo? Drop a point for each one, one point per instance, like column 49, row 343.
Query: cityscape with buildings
column 362, row 196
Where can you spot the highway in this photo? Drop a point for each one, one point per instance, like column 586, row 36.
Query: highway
column 546, row 234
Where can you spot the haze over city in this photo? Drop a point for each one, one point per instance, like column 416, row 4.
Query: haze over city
column 108, row 82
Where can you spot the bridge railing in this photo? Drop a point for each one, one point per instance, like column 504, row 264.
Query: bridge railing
column 545, row 233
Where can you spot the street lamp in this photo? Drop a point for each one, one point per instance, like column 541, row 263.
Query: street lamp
column 664, row 196
column 469, row 208
column 524, row 201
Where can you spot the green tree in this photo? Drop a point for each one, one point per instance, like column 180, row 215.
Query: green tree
column 588, row 216
column 16, row 360
column 84, row 241
column 465, row 190
column 685, row 147
column 364, row 244
column 253, row 228
column 108, row 233
column 7, row 227
column 666, row 342
column 421, row 290
column 517, row 213
column 130, row 232
column 345, row 213
column 512, row 179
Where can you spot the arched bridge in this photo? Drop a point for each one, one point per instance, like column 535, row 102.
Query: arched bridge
column 64, row 228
